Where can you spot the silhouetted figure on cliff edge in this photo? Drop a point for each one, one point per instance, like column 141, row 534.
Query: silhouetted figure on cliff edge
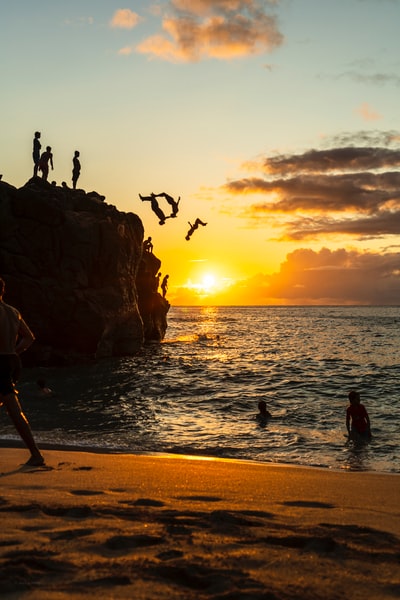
column 156, row 282
column 155, row 207
column 164, row 286
column 36, row 152
column 148, row 245
column 76, row 169
column 171, row 202
column 194, row 227
column 45, row 159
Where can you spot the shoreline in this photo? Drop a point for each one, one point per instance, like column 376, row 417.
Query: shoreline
column 46, row 446
column 170, row 526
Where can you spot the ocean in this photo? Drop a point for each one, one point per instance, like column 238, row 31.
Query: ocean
column 196, row 393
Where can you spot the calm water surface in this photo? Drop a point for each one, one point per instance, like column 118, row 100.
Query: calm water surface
column 197, row 392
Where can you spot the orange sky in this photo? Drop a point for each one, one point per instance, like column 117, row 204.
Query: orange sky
column 275, row 121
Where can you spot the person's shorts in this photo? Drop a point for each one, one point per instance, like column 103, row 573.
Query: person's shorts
column 10, row 369
column 360, row 435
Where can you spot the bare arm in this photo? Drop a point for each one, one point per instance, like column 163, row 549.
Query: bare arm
column 368, row 422
column 348, row 422
column 25, row 337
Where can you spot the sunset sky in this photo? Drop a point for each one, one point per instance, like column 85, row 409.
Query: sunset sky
column 276, row 122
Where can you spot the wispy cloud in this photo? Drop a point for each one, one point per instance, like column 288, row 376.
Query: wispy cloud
column 124, row 18
column 372, row 78
column 79, row 22
column 348, row 191
column 367, row 113
column 220, row 29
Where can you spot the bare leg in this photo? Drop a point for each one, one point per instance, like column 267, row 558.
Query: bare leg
column 21, row 424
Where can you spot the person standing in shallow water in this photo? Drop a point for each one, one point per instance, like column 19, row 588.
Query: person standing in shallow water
column 357, row 419
column 76, row 169
column 263, row 415
column 15, row 337
column 36, row 152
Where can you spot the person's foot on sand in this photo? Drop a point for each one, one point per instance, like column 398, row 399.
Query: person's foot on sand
column 35, row 461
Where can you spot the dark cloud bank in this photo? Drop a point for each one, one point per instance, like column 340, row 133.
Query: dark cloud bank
column 348, row 192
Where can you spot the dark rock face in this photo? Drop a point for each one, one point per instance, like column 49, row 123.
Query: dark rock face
column 74, row 267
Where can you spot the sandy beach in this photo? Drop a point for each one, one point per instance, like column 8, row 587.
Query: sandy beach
column 165, row 527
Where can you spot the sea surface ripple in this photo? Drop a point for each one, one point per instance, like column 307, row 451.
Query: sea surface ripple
column 197, row 392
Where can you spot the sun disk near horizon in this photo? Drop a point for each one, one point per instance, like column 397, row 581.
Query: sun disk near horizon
column 207, row 284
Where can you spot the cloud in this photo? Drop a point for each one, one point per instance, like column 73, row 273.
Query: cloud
column 366, row 192
column 348, row 191
column 126, row 51
column 79, row 22
column 124, row 18
column 319, row 277
column 348, row 158
column 337, row 276
column 220, row 29
column 373, row 78
column 380, row 225
column 367, row 113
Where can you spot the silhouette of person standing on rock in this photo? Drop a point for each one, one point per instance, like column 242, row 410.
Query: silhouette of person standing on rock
column 76, row 169
column 156, row 282
column 194, row 227
column 45, row 159
column 36, row 152
column 164, row 286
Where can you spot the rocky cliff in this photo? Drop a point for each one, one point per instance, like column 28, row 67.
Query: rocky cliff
column 74, row 267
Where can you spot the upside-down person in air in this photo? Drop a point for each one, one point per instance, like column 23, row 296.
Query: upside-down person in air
column 194, row 227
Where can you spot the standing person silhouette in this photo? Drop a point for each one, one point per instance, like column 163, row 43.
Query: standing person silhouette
column 15, row 337
column 76, row 169
column 156, row 282
column 36, row 152
column 164, row 286
column 45, row 159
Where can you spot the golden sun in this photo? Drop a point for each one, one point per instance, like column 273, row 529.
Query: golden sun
column 208, row 283
column 204, row 285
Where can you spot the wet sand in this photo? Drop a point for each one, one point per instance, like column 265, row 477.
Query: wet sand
column 166, row 527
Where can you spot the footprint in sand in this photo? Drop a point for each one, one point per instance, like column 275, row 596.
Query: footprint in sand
column 86, row 492
column 127, row 542
column 82, row 468
column 308, row 504
column 201, row 498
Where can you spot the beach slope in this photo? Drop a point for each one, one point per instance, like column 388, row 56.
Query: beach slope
column 168, row 527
